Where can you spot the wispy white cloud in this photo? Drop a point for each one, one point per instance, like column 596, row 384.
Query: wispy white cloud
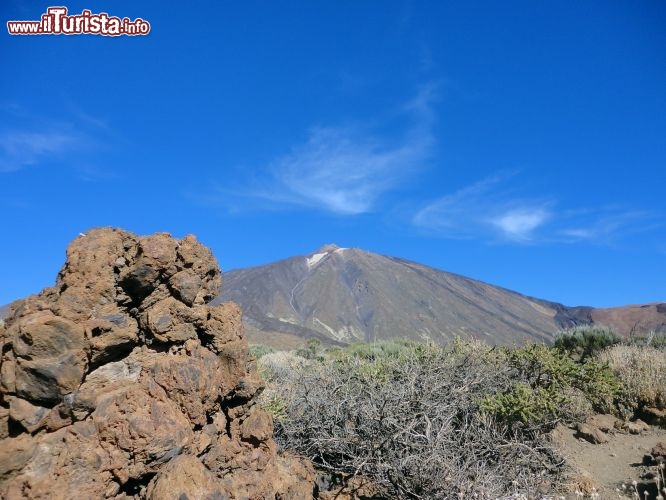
column 346, row 169
column 20, row 149
column 340, row 171
column 492, row 210
column 607, row 224
column 520, row 224
column 486, row 209
column 28, row 139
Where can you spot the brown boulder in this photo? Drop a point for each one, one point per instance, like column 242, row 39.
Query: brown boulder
column 120, row 381
column 184, row 477
column 201, row 262
column 89, row 279
column 111, row 333
column 185, row 286
column 51, row 356
column 170, row 320
column 65, row 464
column 15, row 453
column 658, row 453
column 144, row 429
column 192, row 377
column 636, row 427
column 591, row 434
column 605, row 423
column 29, row 416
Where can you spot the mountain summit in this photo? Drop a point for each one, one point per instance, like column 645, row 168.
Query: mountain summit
column 343, row 295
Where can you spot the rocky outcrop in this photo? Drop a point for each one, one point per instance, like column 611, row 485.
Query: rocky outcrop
column 591, row 434
column 120, row 381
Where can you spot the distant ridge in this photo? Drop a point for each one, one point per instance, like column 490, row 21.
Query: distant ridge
column 343, row 295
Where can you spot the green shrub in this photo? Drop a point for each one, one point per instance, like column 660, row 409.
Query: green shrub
column 586, row 341
column 525, row 404
column 311, row 349
column 548, row 385
column 260, row 350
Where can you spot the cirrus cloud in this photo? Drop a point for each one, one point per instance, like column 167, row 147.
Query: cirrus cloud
column 346, row 169
column 493, row 210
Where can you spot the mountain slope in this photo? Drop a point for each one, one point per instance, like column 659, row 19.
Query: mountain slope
column 342, row 295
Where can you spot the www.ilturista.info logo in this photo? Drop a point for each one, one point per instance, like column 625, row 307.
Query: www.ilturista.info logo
column 57, row 22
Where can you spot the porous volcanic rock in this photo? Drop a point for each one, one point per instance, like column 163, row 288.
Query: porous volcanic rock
column 120, row 381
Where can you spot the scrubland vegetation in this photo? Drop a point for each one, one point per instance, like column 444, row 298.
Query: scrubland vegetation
column 464, row 420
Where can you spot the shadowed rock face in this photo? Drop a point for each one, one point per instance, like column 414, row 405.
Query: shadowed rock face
column 121, row 381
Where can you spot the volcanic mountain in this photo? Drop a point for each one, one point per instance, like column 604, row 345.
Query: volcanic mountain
column 344, row 295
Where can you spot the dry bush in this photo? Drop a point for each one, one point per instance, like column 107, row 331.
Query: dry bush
column 279, row 370
column 409, row 419
column 642, row 371
column 280, row 366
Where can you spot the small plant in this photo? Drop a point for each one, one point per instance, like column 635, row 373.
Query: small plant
column 274, row 404
column 583, row 342
column 258, row 351
column 546, row 382
column 642, row 371
column 311, row 350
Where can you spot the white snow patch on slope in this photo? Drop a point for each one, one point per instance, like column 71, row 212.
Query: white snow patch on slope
column 312, row 261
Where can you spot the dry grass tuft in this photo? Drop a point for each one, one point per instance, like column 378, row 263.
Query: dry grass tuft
column 642, row 370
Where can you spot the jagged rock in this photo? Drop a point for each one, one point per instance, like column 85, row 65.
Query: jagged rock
column 192, row 377
column 120, row 381
column 169, row 320
column 591, row 434
column 184, row 477
column 29, row 416
column 15, row 453
column 50, row 355
column 143, row 428
column 112, row 334
column 185, row 285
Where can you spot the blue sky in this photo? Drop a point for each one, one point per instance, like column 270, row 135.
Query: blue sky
column 521, row 143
